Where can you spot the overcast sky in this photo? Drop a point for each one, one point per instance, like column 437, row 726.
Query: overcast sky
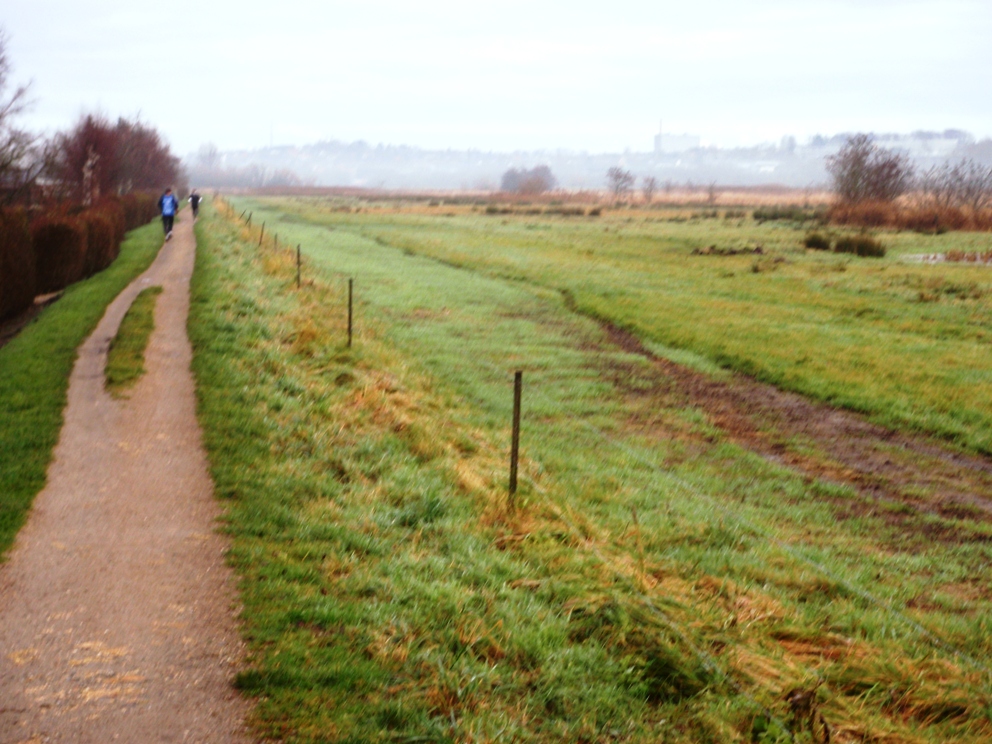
column 506, row 75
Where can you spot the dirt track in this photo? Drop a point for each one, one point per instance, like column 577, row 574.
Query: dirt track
column 116, row 608
column 921, row 474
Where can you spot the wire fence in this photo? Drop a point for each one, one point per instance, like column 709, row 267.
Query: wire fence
column 664, row 482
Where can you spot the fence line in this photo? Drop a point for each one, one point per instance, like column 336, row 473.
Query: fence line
column 742, row 522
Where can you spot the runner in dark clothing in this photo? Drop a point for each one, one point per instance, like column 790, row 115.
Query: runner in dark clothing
column 168, row 205
column 194, row 202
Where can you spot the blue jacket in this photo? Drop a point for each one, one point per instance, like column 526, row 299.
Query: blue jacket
column 168, row 205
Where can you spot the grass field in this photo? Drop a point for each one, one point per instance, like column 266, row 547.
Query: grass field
column 34, row 377
column 651, row 582
column 907, row 343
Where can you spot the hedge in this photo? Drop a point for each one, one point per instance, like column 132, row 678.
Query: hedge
column 18, row 280
column 62, row 245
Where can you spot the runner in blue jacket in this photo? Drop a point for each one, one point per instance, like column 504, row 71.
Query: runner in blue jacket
column 168, row 205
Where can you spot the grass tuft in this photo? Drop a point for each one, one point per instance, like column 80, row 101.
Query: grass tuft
column 126, row 356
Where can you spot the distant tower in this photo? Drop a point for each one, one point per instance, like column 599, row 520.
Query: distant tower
column 657, row 137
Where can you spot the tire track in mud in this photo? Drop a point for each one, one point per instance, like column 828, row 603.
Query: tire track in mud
column 839, row 446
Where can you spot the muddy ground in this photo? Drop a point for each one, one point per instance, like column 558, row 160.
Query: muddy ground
column 916, row 474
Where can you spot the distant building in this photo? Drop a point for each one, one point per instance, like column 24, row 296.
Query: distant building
column 674, row 142
column 921, row 145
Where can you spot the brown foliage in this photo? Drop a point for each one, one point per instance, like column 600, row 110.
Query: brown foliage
column 17, row 263
column 104, row 230
column 59, row 241
column 919, row 216
column 933, row 219
column 139, row 209
column 70, row 244
column 864, row 214
column 129, row 156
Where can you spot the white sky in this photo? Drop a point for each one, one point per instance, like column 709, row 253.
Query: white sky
column 593, row 76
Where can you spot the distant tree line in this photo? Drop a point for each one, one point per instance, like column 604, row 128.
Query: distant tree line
column 208, row 170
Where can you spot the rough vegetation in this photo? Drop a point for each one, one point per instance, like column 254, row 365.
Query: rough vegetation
column 126, row 355
column 654, row 580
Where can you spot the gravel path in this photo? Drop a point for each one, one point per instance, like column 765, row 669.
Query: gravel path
column 117, row 612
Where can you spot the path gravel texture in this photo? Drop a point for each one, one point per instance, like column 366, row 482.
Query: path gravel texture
column 117, row 611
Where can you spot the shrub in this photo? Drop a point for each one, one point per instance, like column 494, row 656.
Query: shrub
column 864, row 214
column 139, row 209
column 793, row 213
column 864, row 172
column 114, row 211
column 860, row 245
column 817, row 242
column 566, row 211
column 102, row 244
column 18, row 279
column 537, row 180
column 59, row 242
column 72, row 243
column 934, row 220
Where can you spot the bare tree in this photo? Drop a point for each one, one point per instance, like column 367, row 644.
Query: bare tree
column 649, row 185
column 967, row 184
column 19, row 160
column 711, row 193
column 974, row 185
column 935, row 187
column 621, row 181
column 863, row 171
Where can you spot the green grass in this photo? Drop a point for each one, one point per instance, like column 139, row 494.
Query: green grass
column 654, row 582
column 34, row 377
column 907, row 343
column 126, row 356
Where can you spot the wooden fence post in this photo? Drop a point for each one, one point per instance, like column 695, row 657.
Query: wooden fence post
column 515, row 439
column 350, row 286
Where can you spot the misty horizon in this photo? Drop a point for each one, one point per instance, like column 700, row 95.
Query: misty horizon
column 523, row 77
column 383, row 166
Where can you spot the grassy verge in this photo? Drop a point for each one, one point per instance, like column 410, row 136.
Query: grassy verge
column 644, row 587
column 34, row 377
column 126, row 356
column 907, row 343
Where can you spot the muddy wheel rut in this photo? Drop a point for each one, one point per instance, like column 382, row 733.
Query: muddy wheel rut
column 919, row 473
